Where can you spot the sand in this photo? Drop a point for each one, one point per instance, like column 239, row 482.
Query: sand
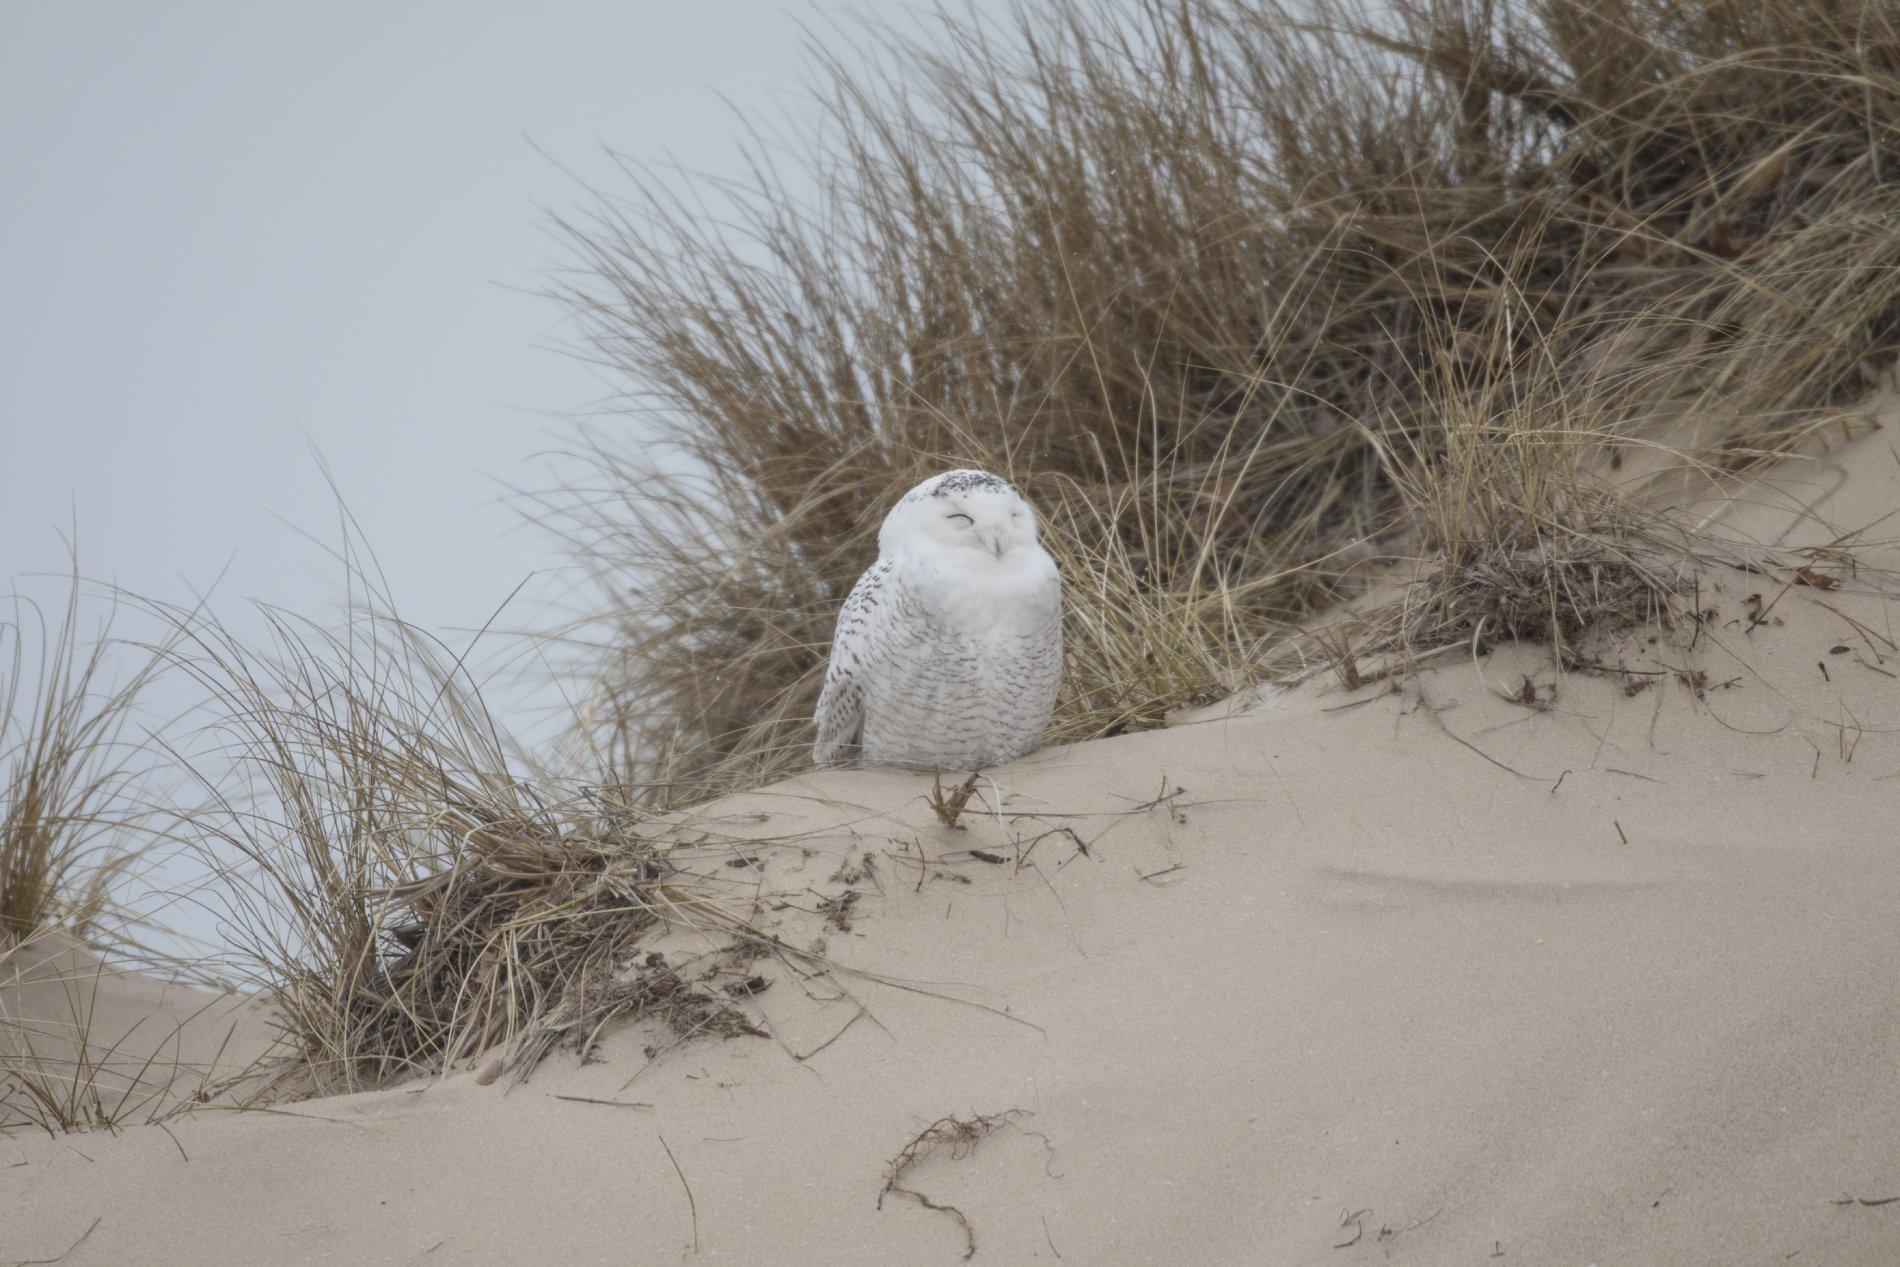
column 1389, row 978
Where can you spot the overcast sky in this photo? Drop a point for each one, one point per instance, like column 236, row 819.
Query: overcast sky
column 231, row 231
column 234, row 230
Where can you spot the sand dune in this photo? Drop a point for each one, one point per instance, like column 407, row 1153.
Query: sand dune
column 1378, row 977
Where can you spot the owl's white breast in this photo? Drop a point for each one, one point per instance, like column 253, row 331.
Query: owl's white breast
column 984, row 598
column 970, row 680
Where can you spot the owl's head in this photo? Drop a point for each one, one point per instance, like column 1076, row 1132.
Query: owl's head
column 958, row 511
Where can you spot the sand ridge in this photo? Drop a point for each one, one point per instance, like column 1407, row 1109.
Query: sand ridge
column 1391, row 976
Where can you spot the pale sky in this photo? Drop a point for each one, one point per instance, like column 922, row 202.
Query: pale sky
column 226, row 227
column 234, row 229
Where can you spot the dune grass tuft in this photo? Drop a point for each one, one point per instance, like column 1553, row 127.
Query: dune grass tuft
column 71, row 819
column 78, row 826
column 1190, row 272
column 410, row 891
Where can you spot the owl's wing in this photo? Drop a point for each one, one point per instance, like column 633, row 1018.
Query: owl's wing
column 840, row 715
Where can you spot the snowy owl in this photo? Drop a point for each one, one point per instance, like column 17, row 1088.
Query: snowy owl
column 949, row 649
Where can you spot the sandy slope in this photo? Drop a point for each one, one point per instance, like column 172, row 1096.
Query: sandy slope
column 73, row 1021
column 1635, row 998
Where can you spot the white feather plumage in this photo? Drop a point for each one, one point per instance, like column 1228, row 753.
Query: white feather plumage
column 948, row 651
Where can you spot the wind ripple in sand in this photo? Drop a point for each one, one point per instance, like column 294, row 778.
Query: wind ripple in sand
column 1389, row 890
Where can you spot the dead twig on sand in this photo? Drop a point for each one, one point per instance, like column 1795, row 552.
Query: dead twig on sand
column 1431, row 711
column 961, row 1136
column 618, row 1104
column 859, row 1015
column 948, row 806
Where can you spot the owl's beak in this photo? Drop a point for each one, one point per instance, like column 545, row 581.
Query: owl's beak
column 996, row 541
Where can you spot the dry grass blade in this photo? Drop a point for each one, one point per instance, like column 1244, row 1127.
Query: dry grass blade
column 83, row 1237
column 692, row 1204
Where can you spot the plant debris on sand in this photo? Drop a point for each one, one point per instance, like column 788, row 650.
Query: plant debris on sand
column 960, row 1137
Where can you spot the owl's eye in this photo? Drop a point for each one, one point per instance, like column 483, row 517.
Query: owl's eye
column 960, row 515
